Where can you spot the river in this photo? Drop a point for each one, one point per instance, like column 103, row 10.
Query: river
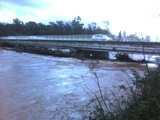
column 36, row 87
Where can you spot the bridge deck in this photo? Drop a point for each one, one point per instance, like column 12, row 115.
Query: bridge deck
column 101, row 46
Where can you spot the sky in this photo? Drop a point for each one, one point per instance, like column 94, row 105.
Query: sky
column 133, row 16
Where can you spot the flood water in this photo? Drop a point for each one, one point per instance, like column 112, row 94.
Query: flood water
column 35, row 87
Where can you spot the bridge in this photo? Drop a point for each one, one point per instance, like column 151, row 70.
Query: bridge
column 92, row 47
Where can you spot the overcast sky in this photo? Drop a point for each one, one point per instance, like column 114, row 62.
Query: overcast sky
column 134, row 16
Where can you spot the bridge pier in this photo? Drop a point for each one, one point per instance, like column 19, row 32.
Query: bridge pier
column 82, row 54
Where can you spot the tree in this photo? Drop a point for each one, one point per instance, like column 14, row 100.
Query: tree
column 17, row 27
column 32, row 28
column 17, row 21
column 42, row 29
column 77, row 27
column 60, row 27
column 53, row 28
column 68, row 28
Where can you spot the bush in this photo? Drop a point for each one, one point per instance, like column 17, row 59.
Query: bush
column 147, row 107
column 142, row 101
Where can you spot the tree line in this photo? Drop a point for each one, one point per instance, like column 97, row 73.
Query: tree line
column 58, row 27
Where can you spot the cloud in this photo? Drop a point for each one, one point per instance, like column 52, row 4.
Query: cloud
column 27, row 10
column 89, row 10
column 27, row 3
column 131, row 15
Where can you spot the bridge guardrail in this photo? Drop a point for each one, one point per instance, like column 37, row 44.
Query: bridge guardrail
column 50, row 37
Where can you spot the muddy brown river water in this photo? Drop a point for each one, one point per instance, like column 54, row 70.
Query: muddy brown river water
column 35, row 87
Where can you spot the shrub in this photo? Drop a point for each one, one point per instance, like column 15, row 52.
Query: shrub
column 142, row 100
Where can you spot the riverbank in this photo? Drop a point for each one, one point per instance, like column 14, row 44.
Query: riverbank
column 34, row 49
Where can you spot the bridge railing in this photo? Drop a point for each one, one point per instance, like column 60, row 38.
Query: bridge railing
column 67, row 37
column 50, row 37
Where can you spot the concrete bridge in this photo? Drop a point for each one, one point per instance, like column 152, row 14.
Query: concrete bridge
column 88, row 47
column 101, row 46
